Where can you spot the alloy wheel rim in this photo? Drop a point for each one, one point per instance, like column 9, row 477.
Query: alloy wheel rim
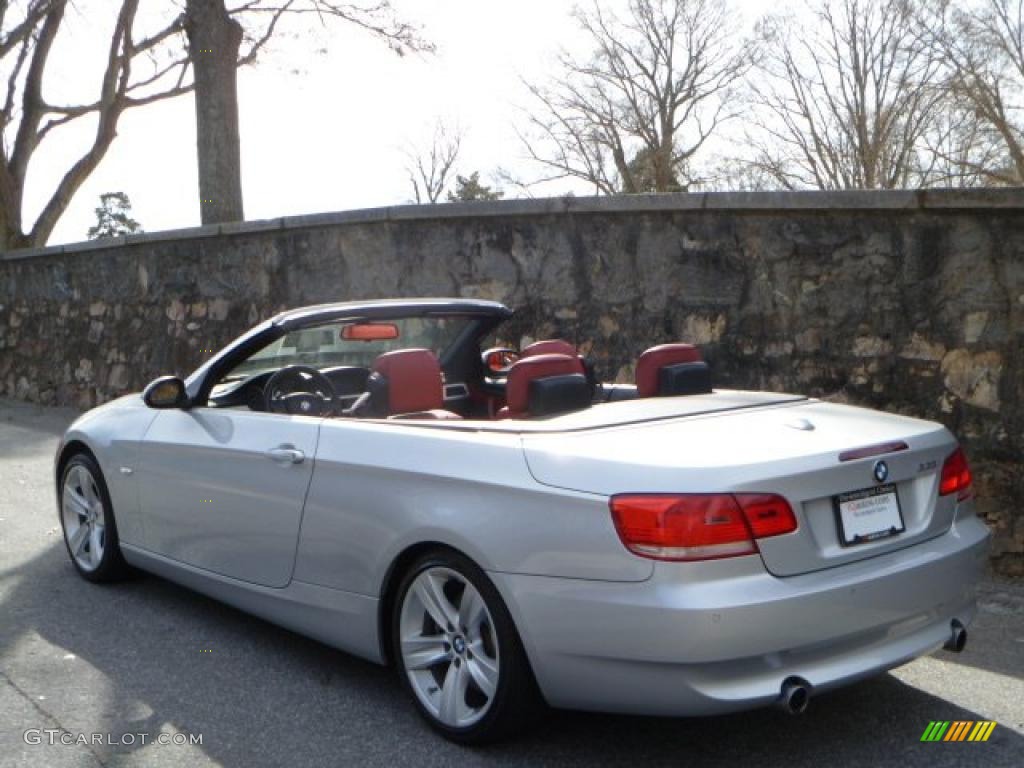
column 449, row 647
column 84, row 518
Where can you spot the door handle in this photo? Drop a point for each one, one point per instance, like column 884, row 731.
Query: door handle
column 285, row 454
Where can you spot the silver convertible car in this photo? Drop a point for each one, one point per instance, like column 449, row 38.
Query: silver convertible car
column 505, row 529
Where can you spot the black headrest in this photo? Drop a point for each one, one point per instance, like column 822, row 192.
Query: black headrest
column 684, row 379
column 558, row 394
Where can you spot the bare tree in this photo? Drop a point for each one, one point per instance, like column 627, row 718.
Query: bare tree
column 964, row 150
column 225, row 35
column 982, row 45
column 731, row 174
column 632, row 116
column 431, row 169
column 144, row 63
column 132, row 77
column 846, row 102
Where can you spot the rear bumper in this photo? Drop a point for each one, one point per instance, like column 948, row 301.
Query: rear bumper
column 720, row 636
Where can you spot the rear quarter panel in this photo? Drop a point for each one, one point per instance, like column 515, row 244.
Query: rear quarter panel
column 381, row 487
column 761, row 451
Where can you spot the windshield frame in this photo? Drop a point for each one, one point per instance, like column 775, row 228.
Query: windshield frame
column 323, row 345
column 485, row 315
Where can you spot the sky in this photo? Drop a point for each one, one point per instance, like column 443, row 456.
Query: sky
column 326, row 116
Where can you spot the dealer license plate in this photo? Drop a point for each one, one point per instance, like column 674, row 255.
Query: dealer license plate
column 868, row 514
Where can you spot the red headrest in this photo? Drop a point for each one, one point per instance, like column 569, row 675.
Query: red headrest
column 414, row 380
column 549, row 347
column 655, row 358
column 525, row 370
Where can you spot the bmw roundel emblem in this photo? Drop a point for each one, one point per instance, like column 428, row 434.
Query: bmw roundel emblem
column 881, row 471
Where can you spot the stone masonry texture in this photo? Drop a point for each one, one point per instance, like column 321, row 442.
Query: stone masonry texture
column 911, row 302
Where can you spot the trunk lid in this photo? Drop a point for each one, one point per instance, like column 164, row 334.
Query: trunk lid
column 790, row 448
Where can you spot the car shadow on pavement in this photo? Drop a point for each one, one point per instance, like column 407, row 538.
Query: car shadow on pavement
column 146, row 654
column 1001, row 606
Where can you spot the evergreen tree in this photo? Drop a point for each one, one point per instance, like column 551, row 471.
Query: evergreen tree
column 114, row 217
column 469, row 188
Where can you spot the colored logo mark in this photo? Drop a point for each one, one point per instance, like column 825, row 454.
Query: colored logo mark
column 958, row 730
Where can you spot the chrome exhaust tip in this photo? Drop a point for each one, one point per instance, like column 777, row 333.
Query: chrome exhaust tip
column 957, row 637
column 795, row 696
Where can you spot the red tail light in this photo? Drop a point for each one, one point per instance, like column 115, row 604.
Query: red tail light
column 956, row 476
column 767, row 514
column 698, row 526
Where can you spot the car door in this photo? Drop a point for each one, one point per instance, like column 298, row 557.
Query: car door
column 223, row 489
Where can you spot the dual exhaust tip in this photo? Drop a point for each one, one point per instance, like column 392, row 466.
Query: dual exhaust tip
column 957, row 637
column 795, row 695
column 796, row 692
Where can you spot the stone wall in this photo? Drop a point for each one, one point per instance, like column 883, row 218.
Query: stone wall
column 908, row 301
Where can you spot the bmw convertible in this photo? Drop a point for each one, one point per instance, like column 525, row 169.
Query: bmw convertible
column 506, row 529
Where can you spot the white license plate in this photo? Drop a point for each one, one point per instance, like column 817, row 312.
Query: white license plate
column 869, row 514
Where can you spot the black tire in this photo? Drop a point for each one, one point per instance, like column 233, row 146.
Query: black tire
column 111, row 566
column 516, row 701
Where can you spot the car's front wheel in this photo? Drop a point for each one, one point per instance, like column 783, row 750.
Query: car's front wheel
column 458, row 652
column 87, row 518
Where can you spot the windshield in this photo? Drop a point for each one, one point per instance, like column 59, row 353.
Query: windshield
column 323, row 346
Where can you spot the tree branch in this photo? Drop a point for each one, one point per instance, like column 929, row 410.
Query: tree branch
column 631, row 117
column 114, row 85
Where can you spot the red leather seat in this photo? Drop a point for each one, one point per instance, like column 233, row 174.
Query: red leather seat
column 561, row 347
column 549, row 347
column 525, row 370
column 414, row 384
column 656, row 358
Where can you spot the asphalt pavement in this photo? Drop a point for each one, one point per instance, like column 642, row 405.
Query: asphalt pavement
column 146, row 660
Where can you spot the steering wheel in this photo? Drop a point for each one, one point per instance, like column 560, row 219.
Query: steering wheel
column 300, row 390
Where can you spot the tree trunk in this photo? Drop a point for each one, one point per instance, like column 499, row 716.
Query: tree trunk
column 214, row 40
column 662, row 161
column 11, row 236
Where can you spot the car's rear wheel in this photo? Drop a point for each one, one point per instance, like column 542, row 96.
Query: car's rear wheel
column 458, row 652
column 87, row 518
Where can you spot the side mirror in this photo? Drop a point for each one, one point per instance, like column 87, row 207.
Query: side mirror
column 498, row 360
column 165, row 392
